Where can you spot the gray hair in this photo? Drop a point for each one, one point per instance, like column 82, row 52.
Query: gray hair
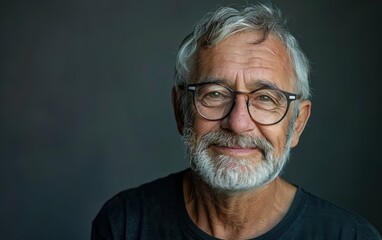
column 226, row 21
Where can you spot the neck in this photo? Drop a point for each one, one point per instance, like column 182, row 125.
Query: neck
column 237, row 216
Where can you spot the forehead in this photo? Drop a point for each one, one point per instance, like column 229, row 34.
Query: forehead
column 240, row 61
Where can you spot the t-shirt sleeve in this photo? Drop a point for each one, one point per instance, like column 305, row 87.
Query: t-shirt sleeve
column 110, row 221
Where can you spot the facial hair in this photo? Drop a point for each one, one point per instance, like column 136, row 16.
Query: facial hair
column 230, row 174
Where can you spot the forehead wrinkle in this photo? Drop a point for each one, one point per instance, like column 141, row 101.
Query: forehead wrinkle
column 274, row 46
column 267, row 55
column 237, row 60
column 254, row 61
column 263, row 55
column 250, row 85
column 253, row 72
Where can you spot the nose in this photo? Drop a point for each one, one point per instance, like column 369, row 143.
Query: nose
column 239, row 121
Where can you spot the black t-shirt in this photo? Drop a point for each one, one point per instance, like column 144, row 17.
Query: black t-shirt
column 156, row 210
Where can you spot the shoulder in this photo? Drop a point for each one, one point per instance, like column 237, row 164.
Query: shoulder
column 325, row 216
column 161, row 189
column 130, row 207
column 157, row 190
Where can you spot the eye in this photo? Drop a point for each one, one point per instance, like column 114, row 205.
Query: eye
column 214, row 94
column 264, row 98
column 268, row 100
column 211, row 92
column 267, row 96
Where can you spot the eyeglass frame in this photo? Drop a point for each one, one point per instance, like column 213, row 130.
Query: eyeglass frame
column 289, row 97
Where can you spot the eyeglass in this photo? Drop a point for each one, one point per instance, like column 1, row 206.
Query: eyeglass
column 266, row 106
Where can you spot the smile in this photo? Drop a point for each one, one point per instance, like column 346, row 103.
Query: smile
column 235, row 151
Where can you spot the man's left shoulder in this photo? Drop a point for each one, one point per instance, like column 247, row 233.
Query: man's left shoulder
column 331, row 217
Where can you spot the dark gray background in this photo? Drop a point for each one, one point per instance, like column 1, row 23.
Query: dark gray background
column 86, row 112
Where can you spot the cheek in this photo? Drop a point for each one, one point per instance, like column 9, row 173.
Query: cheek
column 203, row 126
column 276, row 135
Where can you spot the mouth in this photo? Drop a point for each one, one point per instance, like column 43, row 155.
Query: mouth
column 235, row 151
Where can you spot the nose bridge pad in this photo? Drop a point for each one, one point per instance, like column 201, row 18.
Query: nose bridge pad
column 247, row 103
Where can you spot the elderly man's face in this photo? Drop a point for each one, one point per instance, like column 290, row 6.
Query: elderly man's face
column 244, row 66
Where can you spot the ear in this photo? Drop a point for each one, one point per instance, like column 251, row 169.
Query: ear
column 302, row 119
column 177, row 111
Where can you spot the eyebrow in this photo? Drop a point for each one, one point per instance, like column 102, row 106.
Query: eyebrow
column 213, row 80
column 253, row 85
column 264, row 84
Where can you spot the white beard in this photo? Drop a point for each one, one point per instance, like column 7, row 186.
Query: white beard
column 229, row 174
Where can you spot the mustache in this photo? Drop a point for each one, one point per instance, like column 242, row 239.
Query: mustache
column 227, row 139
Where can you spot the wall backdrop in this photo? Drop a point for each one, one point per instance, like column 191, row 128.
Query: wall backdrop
column 86, row 111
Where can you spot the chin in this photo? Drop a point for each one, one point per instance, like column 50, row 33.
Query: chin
column 232, row 175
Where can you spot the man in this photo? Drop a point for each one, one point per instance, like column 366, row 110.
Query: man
column 241, row 101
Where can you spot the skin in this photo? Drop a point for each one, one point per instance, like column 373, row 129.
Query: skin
column 243, row 66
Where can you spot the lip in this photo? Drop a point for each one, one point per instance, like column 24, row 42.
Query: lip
column 234, row 151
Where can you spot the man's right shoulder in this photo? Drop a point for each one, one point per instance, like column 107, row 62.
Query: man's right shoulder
column 155, row 200
column 159, row 190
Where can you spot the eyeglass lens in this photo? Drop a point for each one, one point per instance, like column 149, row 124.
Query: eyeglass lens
column 266, row 106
